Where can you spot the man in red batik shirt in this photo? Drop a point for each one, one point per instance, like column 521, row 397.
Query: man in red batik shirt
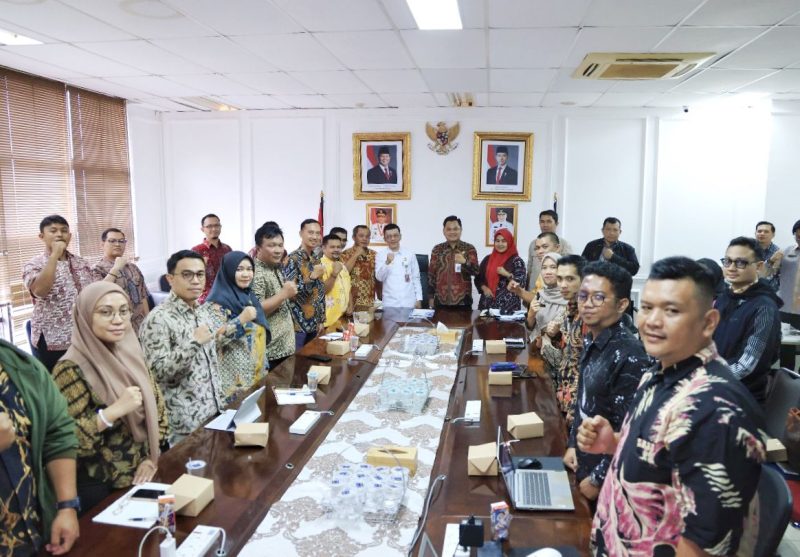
column 212, row 250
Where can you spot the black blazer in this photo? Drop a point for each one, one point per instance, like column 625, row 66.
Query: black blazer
column 509, row 176
column 376, row 176
column 624, row 254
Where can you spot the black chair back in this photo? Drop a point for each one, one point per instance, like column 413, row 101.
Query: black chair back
column 163, row 283
column 422, row 262
column 775, row 510
column 784, row 394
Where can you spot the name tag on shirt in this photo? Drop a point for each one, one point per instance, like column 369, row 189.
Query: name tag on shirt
column 458, row 267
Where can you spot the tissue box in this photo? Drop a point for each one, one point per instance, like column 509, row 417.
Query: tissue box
column 525, row 426
column 362, row 329
column 495, row 347
column 393, row 455
column 500, row 377
column 338, row 347
column 192, row 494
column 776, row 452
column 447, row 336
column 251, row 435
column 323, row 374
column 482, row 460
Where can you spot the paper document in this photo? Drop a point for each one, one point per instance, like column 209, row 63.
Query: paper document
column 133, row 513
column 294, row 396
column 421, row 314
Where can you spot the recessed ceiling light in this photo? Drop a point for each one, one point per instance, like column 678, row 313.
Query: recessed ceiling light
column 435, row 14
column 209, row 104
column 10, row 38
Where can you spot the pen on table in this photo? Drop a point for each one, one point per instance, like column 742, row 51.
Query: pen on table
column 141, row 519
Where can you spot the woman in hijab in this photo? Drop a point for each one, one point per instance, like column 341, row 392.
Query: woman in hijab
column 242, row 331
column 548, row 305
column 496, row 271
column 117, row 406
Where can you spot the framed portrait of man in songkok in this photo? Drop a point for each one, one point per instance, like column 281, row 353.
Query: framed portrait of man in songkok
column 502, row 166
column 381, row 166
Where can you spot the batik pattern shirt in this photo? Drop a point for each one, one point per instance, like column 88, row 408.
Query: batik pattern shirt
column 110, row 456
column 267, row 282
column 308, row 307
column 448, row 286
column 507, row 302
column 131, row 280
column 362, row 278
column 52, row 314
column 20, row 524
column 338, row 298
column 687, row 465
column 212, row 255
column 564, row 355
column 611, row 367
column 186, row 371
column 771, row 274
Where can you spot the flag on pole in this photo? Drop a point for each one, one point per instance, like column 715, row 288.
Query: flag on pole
column 555, row 202
column 321, row 213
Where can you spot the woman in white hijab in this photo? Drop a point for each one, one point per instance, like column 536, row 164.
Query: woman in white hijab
column 548, row 305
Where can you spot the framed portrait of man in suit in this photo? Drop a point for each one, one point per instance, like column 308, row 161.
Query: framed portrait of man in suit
column 378, row 216
column 502, row 166
column 381, row 166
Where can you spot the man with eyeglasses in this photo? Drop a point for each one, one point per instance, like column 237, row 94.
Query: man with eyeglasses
column 180, row 350
column 212, row 250
column 611, row 366
column 116, row 267
column 749, row 331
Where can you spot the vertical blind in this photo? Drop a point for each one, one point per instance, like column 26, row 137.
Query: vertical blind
column 63, row 151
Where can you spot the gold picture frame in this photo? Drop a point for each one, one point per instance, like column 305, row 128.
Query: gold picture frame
column 375, row 221
column 373, row 180
column 493, row 219
column 509, row 180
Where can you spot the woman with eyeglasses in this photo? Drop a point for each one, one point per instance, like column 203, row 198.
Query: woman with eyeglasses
column 496, row 271
column 118, row 410
column 242, row 331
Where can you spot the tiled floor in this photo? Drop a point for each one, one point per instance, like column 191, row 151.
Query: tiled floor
column 790, row 545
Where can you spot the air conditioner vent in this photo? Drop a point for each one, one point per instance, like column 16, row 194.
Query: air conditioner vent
column 635, row 65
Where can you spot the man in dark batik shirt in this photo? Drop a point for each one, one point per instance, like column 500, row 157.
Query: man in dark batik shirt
column 687, row 461
column 304, row 268
column 611, row 366
column 452, row 265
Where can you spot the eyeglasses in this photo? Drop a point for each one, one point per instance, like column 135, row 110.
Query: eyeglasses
column 597, row 298
column 108, row 314
column 121, row 242
column 739, row 263
column 188, row 276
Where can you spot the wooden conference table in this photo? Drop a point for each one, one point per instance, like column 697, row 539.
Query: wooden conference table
column 247, row 481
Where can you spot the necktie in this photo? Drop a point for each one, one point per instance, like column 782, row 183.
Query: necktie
column 386, row 173
column 499, row 173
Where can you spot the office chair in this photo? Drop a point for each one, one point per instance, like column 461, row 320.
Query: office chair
column 422, row 262
column 775, row 510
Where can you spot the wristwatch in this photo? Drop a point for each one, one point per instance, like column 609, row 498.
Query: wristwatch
column 69, row 504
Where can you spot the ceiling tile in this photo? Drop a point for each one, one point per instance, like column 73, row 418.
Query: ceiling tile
column 784, row 81
column 633, row 13
column 520, row 81
column 447, row 49
column 367, row 50
column 306, row 101
column 242, row 17
column 608, row 39
column 73, row 58
column 720, row 40
column 446, row 81
column 60, row 22
column 99, row 85
column 253, row 102
column 537, row 13
column 272, row 83
column 163, row 105
column 529, row 48
column 515, row 99
column 144, row 56
column 409, row 100
column 300, row 52
column 157, row 86
column 565, row 83
column 215, row 53
column 212, row 84
column 570, row 99
column 399, row 14
column 720, row 81
column 643, row 85
column 393, row 81
column 480, row 99
column 339, row 15
column 472, row 13
column 331, row 82
column 23, row 63
column 623, row 99
column 743, row 12
column 678, row 100
column 370, row 100
column 778, row 48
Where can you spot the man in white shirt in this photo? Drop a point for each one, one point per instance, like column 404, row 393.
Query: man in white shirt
column 499, row 224
column 397, row 269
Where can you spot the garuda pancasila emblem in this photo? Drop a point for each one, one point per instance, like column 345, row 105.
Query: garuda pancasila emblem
column 443, row 137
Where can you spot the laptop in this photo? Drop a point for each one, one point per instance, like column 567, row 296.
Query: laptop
column 247, row 413
column 546, row 489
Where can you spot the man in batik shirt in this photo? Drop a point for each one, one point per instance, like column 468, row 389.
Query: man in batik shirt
column 687, row 461
column 212, row 249
column 360, row 262
column 304, row 268
column 452, row 265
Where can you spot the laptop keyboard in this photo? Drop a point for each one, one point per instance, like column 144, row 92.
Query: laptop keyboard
column 534, row 488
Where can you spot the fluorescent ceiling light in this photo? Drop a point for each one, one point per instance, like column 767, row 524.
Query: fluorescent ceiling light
column 435, row 14
column 10, row 38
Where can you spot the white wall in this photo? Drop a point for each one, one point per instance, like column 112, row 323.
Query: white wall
column 680, row 185
column 783, row 183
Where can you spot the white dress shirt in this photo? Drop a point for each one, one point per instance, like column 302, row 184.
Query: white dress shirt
column 401, row 284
